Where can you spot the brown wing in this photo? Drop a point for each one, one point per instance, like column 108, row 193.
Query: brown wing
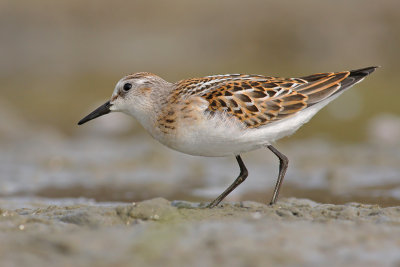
column 258, row 100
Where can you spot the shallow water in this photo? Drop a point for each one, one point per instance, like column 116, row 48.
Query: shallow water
column 129, row 169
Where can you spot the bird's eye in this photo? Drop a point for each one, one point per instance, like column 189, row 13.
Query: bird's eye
column 127, row 87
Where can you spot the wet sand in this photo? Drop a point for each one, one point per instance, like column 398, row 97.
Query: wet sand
column 89, row 200
column 295, row 232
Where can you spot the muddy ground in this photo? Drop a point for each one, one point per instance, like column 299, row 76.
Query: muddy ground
column 295, row 232
column 93, row 199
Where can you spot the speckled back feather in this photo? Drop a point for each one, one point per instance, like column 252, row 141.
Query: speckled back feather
column 257, row 100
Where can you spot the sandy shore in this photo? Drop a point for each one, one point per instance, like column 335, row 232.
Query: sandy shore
column 295, row 232
column 68, row 202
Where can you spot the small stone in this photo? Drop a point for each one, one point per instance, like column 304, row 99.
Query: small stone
column 256, row 215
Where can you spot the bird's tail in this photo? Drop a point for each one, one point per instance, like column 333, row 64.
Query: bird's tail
column 320, row 86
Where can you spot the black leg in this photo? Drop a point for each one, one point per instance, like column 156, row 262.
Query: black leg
column 283, row 164
column 242, row 176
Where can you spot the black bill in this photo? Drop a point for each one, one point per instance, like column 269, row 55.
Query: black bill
column 100, row 111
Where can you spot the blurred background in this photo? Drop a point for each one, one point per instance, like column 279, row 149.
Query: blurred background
column 61, row 59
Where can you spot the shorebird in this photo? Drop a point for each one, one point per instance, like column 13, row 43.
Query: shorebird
column 225, row 115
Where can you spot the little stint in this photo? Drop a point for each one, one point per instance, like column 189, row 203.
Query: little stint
column 225, row 115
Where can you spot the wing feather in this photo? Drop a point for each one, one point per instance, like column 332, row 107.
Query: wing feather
column 257, row 100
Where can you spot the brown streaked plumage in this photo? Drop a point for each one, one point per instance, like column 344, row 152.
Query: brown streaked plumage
column 139, row 75
column 257, row 100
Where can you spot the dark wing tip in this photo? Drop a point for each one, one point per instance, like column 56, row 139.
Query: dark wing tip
column 363, row 72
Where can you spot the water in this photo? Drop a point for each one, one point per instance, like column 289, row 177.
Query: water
column 106, row 168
